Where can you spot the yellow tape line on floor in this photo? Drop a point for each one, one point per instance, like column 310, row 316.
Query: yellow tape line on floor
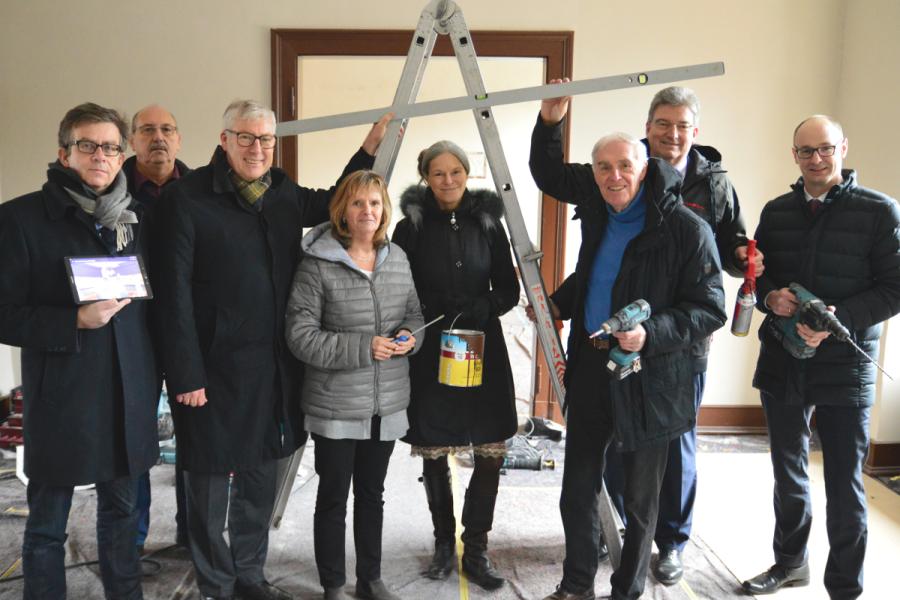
column 12, row 569
column 687, row 590
column 457, row 513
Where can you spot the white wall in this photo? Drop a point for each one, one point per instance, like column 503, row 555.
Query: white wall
column 784, row 60
column 868, row 99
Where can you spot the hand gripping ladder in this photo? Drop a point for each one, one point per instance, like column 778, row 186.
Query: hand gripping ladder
column 443, row 17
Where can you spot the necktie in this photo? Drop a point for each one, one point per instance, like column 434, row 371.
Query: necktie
column 814, row 205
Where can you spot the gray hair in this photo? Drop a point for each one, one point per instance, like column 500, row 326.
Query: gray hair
column 134, row 119
column 830, row 120
column 676, row 96
column 435, row 150
column 91, row 113
column 637, row 147
column 246, row 110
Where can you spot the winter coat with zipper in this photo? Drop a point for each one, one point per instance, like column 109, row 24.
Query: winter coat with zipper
column 847, row 254
column 90, row 394
column 462, row 265
column 672, row 264
column 334, row 312
column 224, row 275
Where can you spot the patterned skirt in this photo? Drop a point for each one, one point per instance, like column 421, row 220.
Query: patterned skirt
column 491, row 450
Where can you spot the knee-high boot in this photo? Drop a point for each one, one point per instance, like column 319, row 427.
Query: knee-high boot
column 440, row 503
column 477, row 518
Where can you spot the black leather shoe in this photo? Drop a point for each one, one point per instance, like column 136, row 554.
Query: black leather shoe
column 776, row 578
column 261, row 591
column 564, row 594
column 668, row 568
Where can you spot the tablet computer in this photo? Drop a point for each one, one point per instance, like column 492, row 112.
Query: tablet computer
column 106, row 277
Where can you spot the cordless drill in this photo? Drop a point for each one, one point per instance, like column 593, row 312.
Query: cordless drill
column 621, row 363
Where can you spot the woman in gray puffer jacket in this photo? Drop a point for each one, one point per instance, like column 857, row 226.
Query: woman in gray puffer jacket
column 353, row 297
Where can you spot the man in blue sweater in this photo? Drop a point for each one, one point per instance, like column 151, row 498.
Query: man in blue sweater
column 638, row 242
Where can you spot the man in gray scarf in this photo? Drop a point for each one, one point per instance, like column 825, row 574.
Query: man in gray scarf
column 88, row 371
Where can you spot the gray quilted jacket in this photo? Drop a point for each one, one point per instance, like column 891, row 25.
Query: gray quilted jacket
column 333, row 313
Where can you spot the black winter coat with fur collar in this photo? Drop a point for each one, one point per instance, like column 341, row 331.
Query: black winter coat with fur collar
column 461, row 264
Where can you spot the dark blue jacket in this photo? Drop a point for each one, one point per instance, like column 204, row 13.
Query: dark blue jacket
column 848, row 255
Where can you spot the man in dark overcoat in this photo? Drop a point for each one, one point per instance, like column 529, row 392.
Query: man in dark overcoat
column 228, row 245
column 88, row 371
column 638, row 241
column 841, row 241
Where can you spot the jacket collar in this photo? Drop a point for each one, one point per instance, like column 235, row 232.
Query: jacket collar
column 417, row 203
column 836, row 191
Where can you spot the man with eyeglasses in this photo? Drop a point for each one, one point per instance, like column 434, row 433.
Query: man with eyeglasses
column 156, row 141
column 228, row 245
column 672, row 128
column 88, row 371
column 841, row 241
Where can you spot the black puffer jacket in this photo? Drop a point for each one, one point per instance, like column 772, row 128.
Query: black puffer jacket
column 848, row 254
column 462, row 267
column 672, row 263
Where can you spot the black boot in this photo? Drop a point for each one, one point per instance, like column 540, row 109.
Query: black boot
column 440, row 503
column 477, row 518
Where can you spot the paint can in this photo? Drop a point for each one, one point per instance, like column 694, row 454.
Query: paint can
column 462, row 355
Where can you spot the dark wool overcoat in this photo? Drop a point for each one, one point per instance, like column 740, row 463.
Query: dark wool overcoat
column 90, row 394
column 225, row 270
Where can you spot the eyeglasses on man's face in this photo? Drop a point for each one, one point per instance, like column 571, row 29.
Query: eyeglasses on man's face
column 807, row 152
column 245, row 140
column 89, row 147
column 665, row 125
column 150, row 130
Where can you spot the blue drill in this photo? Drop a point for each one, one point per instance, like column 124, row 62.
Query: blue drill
column 621, row 363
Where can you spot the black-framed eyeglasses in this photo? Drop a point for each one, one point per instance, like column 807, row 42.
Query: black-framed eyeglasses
column 166, row 130
column 807, row 152
column 89, row 147
column 246, row 140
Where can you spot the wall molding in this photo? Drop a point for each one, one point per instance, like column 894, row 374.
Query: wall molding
column 883, row 459
column 731, row 420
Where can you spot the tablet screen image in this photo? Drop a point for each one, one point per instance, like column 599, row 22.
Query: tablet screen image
column 106, row 277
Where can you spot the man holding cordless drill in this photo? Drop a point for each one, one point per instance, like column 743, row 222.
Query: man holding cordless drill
column 841, row 242
column 638, row 242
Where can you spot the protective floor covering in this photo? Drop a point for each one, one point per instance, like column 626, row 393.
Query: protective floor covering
column 526, row 543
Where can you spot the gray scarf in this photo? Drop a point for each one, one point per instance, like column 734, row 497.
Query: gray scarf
column 110, row 209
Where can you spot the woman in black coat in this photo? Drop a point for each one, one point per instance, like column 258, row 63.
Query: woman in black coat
column 461, row 264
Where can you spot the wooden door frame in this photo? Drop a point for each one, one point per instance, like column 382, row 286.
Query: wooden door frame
column 555, row 47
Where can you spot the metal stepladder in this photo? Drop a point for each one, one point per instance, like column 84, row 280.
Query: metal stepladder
column 443, row 17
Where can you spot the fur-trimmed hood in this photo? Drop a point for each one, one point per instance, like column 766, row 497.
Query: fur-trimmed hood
column 486, row 206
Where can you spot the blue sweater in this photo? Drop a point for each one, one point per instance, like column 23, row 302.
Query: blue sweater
column 620, row 229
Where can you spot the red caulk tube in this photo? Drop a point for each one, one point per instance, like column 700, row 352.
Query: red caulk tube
column 746, row 298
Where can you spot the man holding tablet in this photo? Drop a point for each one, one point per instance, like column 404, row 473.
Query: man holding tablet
column 88, row 370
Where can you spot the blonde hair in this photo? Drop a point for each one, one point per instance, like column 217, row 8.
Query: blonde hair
column 350, row 187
